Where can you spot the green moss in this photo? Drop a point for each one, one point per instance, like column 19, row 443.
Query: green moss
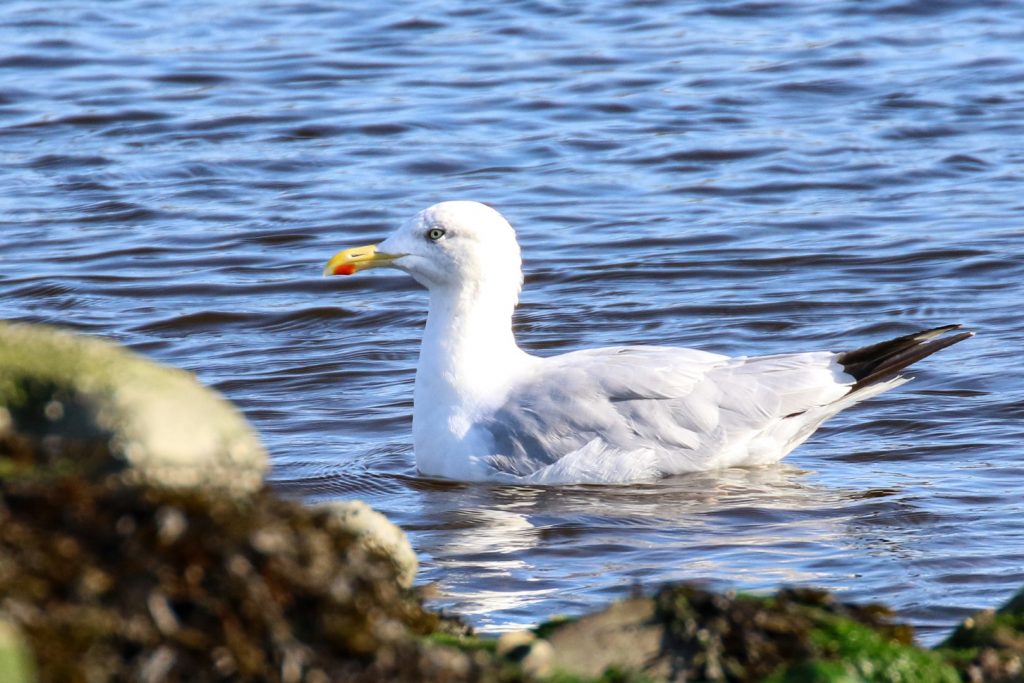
column 463, row 643
column 992, row 629
column 818, row 672
column 990, row 645
column 552, row 625
column 612, row 675
column 1015, row 605
column 959, row 659
column 795, row 635
column 872, row 657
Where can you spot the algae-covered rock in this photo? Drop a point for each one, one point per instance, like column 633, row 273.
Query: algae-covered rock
column 378, row 533
column 110, row 581
column 88, row 406
column 688, row 634
column 989, row 647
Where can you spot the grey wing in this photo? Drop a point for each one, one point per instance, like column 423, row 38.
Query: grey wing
column 688, row 407
column 623, row 396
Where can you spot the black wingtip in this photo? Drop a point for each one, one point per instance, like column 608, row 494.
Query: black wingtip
column 885, row 360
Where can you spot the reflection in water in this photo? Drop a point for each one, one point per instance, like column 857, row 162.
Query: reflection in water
column 753, row 527
column 506, row 556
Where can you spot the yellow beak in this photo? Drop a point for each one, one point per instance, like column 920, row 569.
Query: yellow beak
column 351, row 261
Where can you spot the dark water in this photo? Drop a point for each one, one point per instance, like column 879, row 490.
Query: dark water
column 745, row 177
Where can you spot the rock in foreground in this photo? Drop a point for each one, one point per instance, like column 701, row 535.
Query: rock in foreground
column 685, row 633
column 109, row 581
column 990, row 645
column 122, row 560
column 62, row 393
column 117, row 582
column 377, row 533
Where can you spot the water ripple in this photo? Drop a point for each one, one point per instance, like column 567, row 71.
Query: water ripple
column 745, row 176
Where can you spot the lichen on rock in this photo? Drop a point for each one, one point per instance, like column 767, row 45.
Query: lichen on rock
column 63, row 393
column 378, row 533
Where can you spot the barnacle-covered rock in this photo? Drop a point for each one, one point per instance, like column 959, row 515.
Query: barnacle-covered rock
column 110, row 581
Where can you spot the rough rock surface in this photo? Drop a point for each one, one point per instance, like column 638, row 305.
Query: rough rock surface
column 121, row 582
column 377, row 533
column 685, row 633
column 989, row 646
column 110, row 581
column 63, row 393
column 626, row 635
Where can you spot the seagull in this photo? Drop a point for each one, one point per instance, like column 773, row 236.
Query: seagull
column 485, row 410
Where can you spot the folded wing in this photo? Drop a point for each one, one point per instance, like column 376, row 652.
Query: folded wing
column 679, row 409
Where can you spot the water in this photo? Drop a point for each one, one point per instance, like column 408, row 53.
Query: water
column 744, row 177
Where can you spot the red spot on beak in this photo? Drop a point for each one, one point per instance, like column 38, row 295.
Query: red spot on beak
column 345, row 269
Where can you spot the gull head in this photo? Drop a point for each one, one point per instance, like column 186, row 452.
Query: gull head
column 457, row 246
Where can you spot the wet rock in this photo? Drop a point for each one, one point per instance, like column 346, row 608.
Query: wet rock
column 82, row 405
column 626, row 635
column 989, row 647
column 378, row 534
column 534, row 655
column 514, row 644
column 110, row 581
column 685, row 633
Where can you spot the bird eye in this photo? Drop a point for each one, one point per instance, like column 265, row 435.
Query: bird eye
column 435, row 234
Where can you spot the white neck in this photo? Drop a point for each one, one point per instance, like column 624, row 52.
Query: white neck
column 468, row 347
column 468, row 361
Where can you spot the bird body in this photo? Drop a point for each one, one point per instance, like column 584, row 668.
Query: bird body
column 484, row 409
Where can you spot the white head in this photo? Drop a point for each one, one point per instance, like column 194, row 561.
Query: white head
column 459, row 247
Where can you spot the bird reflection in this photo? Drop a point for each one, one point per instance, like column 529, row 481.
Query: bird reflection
column 509, row 555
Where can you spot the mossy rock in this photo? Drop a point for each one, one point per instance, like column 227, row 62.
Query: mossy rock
column 689, row 634
column 989, row 646
column 109, row 581
column 71, row 404
column 845, row 651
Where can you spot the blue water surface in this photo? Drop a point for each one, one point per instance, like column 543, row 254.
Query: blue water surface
column 743, row 177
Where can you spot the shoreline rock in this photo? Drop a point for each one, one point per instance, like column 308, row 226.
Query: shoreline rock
column 63, row 393
column 378, row 534
column 686, row 633
column 114, row 581
column 122, row 559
